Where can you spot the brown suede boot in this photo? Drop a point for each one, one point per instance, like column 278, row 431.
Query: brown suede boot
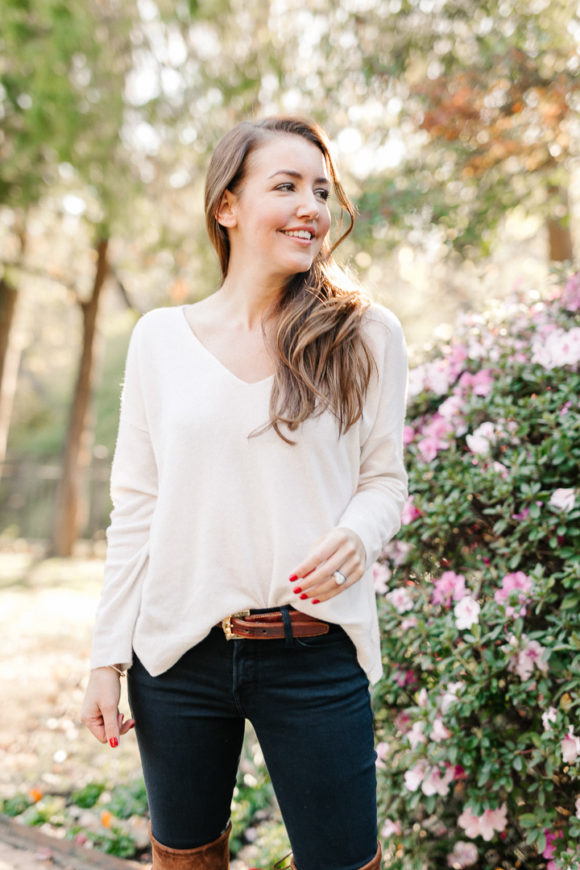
column 211, row 856
column 374, row 864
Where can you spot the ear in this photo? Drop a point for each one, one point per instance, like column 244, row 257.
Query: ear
column 226, row 212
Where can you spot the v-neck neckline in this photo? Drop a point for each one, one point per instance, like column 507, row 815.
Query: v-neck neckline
column 217, row 361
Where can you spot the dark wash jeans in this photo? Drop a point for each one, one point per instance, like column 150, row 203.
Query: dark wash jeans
column 309, row 704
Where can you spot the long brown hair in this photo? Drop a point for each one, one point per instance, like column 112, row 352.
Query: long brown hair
column 324, row 362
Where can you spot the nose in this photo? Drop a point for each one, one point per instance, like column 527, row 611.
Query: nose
column 308, row 207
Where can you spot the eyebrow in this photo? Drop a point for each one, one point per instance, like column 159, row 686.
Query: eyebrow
column 294, row 174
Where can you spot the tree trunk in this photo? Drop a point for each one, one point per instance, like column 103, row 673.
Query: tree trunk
column 10, row 351
column 69, row 502
column 558, row 222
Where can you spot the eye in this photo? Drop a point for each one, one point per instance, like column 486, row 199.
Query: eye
column 323, row 193
column 285, row 186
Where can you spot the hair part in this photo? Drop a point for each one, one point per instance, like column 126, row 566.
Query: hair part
column 324, row 362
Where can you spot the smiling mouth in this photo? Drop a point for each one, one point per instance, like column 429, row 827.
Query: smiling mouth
column 299, row 234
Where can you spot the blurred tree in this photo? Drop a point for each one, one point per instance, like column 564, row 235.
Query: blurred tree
column 494, row 89
column 62, row 81
column 450, row 112
column 40, row 120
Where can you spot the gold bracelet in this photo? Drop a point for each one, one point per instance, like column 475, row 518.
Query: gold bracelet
column 119, row 671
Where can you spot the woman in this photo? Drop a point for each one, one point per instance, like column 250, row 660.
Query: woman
column 256, row 477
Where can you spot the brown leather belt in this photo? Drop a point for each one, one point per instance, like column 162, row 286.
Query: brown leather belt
column 270, row 625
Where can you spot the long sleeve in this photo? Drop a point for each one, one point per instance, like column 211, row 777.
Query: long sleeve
column 134, row 495
column 374, row 512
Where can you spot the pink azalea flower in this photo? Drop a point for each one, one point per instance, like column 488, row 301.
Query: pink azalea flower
column 428, row 448
column 480, row 383
column 404, row 678
column 578, row 807
column 403, row 722
column 439, row 732
column 382, row 750
column 415, row 735
column 556, row 347
column 492, row 821
column 522, row 515
column 435, row 782
column 381, row 575
column 400, row 599
column 500, row 469
column 459, row 772
column 414, row 776
column 549, row 848
column 437, row 436
column 570, row 746
column 422, row 698
column 549, row 716
column 397, row 551
column 409, row 622
column 389, row 828
column 571, row 293
column 408, row 435
column 410, row 512
column 466, row 613
column 449, row 586
column 482, row 438
column 450, row 696
column 439, row 376
column 456, row 357
column 563, row 499
column 451, row 408
column 514, row 586
column 463, row 855
column 469, row 822
column 529, row 655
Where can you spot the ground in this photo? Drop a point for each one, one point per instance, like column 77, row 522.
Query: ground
column 47, row 608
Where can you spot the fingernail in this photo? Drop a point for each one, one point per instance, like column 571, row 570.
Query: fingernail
column 113, row 742
column 298, row 589
column 293, row 578
column 316, row 600
column 304, row 595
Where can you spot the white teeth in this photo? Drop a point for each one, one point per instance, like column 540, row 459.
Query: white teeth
column 299, row 234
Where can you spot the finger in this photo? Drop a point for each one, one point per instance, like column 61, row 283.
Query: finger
column 111, row 718
column 321, row 573
column 327, row 587
column 126, row 726
column 321, row 551
column 96, row 727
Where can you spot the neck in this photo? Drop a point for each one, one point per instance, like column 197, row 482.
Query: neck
column 247, row 297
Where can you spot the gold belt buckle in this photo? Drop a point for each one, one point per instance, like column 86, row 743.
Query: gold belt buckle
column 227, row 624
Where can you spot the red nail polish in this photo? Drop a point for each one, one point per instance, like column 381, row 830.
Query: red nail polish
column 114, row 742
column 304, row 595
column 293, row 578
column 298, row 589
column 316, row 600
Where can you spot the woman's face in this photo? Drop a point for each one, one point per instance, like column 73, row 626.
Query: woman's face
column 279, row 217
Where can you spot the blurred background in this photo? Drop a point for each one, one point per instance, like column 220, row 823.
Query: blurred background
column 456, row 128
column 455, row 125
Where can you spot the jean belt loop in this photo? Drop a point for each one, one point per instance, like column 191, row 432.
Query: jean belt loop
column 285, row 611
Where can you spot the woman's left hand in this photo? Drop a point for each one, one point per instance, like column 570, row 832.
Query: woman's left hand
column 339, row 550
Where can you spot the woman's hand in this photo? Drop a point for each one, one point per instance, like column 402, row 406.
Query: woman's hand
column 100, row 712
column 339, row 550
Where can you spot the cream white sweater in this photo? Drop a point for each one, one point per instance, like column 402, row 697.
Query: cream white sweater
column 207, row 521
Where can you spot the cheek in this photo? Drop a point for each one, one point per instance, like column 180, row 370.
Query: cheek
column 324, row 222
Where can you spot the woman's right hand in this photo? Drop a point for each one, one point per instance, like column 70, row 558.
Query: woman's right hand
column 100, row 711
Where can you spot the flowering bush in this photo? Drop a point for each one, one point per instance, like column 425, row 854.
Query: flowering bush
column 479, row 598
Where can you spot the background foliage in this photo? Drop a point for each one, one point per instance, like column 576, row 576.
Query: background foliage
column 481, row 624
